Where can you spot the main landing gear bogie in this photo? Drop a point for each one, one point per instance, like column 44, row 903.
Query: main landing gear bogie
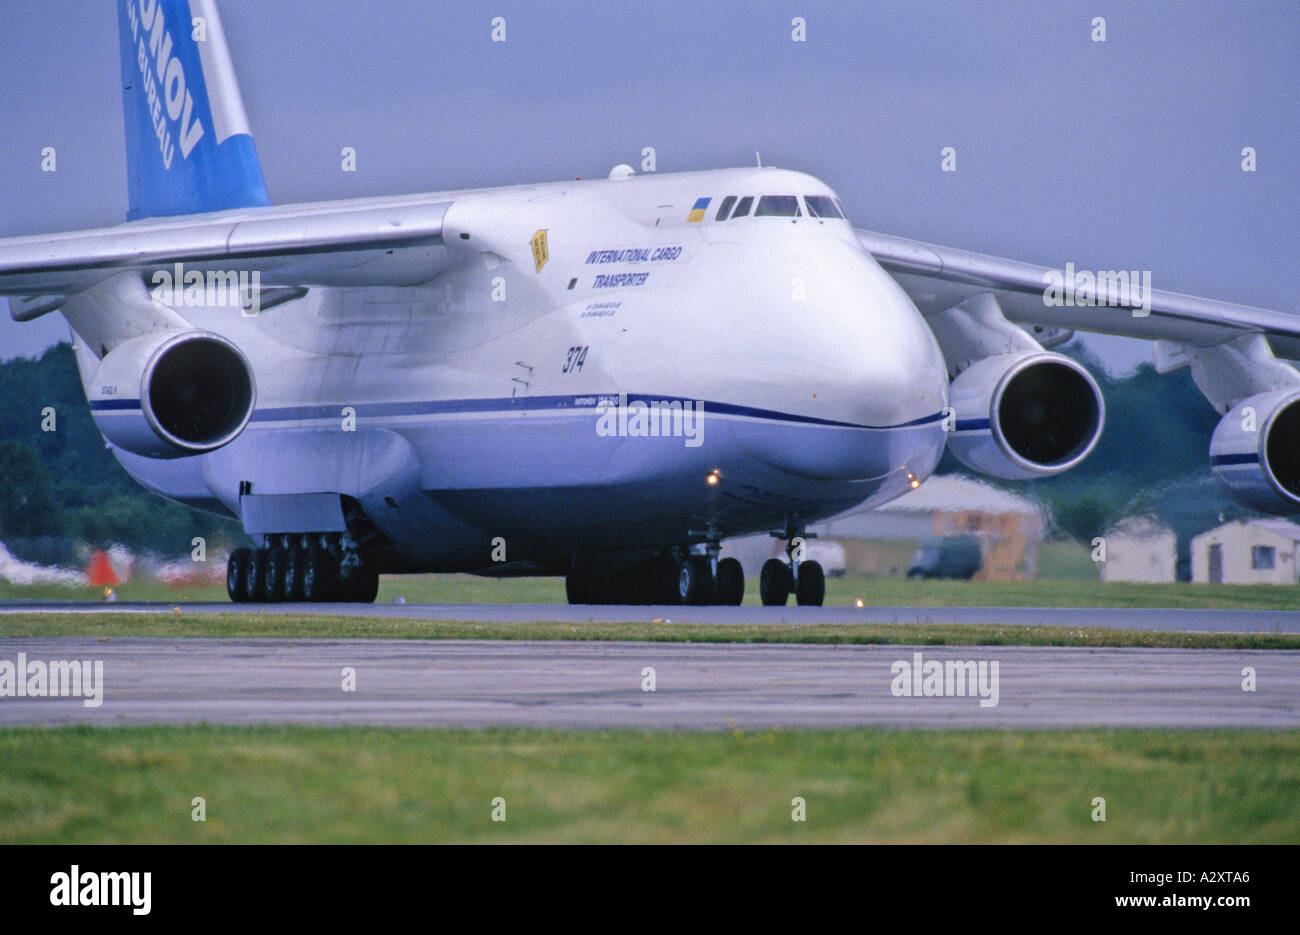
column 689, row 580
column 297, row 573
column 695, row 574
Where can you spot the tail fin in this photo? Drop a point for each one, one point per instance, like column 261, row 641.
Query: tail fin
column 188, row 146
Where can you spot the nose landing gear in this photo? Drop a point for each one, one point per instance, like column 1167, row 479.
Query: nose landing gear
column 801, row 577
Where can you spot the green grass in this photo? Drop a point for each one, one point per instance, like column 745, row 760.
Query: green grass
column 181, row 623
column 147, row 590
column 295, row 784
column 1058, row 592
column 423, row 589
column 845, row 591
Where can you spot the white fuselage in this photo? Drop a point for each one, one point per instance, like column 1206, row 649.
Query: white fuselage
column 477, row 405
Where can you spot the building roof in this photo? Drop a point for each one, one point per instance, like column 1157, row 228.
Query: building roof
column 1139, row 527
column 953, row 492
column 1282, row 527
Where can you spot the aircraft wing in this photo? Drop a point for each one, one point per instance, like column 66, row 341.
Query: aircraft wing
column 389, row 241
column 937, row 278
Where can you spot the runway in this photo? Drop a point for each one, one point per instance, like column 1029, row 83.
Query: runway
column 1179, row 619
column 585, row 685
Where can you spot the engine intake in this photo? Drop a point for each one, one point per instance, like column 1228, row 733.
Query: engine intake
column 173, row 394
column 1255, row 452
column 1020, row 416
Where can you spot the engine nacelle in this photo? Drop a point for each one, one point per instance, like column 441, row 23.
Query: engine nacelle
column 1255, row 452
column 1024, row 415
column 172, row 394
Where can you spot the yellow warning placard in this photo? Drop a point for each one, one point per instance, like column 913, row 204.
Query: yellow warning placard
column 540, row 253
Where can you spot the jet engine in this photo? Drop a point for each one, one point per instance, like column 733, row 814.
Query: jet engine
column 1024, row 415
column 1255, row 452
column 172, row 394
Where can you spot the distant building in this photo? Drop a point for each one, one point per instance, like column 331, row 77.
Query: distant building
column 1251, row 551
column 1140, row 551
column 1009, row 528
column 943, row 505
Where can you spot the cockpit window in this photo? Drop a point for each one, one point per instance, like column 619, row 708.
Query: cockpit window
column 742, row 209
column 820, row 206
column 724, row 209
column 778, row 206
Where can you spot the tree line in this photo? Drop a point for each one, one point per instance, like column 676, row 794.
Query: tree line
column 60, row 480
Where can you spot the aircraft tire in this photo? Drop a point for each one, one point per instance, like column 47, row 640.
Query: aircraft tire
column 293, row 574
column 651, row 582
column 363, row 588
column 812, row 585
column 731, row 583
column 320, row 576
column 236, row 575
column 582, row 587
column 774, row 583
column 273, row 577
column 255, row 577
column 663, row 580
column 632, row 586
column 694, row 581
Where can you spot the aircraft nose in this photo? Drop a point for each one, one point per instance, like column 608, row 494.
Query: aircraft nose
column 868, row 368
column 878, row 364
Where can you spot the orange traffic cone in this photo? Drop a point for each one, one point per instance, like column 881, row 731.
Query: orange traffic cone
column 99, row 573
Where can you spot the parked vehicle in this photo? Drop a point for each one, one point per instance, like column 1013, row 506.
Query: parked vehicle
column 947, row 557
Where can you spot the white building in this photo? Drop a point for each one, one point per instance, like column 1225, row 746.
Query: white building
column 1140, row 551
column 1253, row 551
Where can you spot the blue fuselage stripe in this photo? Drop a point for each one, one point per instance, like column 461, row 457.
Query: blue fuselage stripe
column 523, row 404
column 1247, row 458
column 113, row 405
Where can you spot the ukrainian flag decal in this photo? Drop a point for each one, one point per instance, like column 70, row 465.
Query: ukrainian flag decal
column 697, row 213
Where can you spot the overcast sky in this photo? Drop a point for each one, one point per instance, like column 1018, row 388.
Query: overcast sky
column 1122, row 154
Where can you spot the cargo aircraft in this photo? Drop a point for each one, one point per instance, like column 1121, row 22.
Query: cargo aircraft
column 598, row 379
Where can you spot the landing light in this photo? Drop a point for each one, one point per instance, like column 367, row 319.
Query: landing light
column 911, row 479
column 712, row 479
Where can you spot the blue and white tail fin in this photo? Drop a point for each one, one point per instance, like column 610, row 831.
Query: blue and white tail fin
column 188, row 145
